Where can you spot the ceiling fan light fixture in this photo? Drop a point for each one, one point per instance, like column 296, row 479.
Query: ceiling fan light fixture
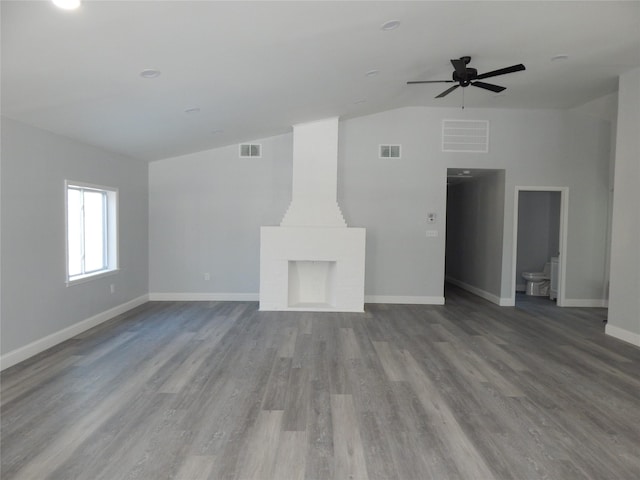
column 390, row 25
column 66, row 4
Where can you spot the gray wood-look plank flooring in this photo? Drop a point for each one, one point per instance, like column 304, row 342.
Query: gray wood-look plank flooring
column 219, row 390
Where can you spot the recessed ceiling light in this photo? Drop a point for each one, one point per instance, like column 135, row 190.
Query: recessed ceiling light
column 561, row 56
column 67, row 4
column 192, row 110
column 390, row 25
column 150, row 73
column 372, row 73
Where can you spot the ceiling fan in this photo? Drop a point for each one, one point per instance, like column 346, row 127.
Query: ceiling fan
column 465, row 76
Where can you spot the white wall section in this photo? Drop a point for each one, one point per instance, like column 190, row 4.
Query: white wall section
column 624, row 296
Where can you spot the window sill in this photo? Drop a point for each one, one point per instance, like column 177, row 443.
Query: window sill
column 91, row 276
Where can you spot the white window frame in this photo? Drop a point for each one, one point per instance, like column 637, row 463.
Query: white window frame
column 111, row 215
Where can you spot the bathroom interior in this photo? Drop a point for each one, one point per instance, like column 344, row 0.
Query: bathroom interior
column 538, row 244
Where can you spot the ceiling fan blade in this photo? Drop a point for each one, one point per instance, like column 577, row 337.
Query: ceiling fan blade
column 447, row 91
column 502, row 71
column 430, row 81
column 489, row 86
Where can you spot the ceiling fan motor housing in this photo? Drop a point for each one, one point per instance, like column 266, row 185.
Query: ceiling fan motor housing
column 470, row 74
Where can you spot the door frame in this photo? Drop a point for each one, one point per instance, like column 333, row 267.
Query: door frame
column 564, row 221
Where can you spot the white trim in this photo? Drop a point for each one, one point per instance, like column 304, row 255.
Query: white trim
column 585, row 302
column 564, row 222
column 203, row 297
column 503, row 302
column 20, row 354
column 91, row 276
column 622, row 334
column 404, row 299
column 313, row 309
column 254, row 297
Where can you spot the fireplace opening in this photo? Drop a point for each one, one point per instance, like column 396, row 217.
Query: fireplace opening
column 312, row 283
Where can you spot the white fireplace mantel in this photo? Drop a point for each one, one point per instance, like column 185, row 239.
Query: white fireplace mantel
column 289, row 280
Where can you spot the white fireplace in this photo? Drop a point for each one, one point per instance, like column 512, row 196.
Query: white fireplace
column 313, row 261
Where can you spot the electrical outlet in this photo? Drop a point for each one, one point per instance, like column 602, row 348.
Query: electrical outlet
column 207, row 277
column 112, row 288
column 432, row 233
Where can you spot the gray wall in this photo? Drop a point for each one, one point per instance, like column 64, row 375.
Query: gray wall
column 475, row 226
column 35, row 299
column 205, row 208
column 391, row 198
column 538, row 231
column 624, row 297
column 205, row 213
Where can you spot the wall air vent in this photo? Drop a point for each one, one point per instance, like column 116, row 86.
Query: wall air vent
column 389, row 151
column 465, row 136
column 250, row 150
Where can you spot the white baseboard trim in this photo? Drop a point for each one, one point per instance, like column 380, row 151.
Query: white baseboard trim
column 584, row 302
column 20, row 354
column 622, row 334
column 404, row 299
column 255, row 297
column 503, row 302
column 204, row 297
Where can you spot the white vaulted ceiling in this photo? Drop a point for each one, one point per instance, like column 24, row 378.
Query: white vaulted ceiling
column 253, row 69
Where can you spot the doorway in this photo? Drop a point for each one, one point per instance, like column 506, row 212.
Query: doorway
column 475, row 231
column 540, row 220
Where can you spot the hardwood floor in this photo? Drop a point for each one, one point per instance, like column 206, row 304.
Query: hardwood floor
column 218, row 390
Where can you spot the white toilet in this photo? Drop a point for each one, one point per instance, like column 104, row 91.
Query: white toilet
column 538, row 282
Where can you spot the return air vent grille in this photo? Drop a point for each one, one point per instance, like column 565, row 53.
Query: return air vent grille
column 465, row 136
column 250, row 150
column 389, row 151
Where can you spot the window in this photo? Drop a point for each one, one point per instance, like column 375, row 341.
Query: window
column 91, row 230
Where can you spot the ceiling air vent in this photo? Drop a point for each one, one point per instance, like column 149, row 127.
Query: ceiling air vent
column 250, row 150
column 465, row 136
column 389, row 151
